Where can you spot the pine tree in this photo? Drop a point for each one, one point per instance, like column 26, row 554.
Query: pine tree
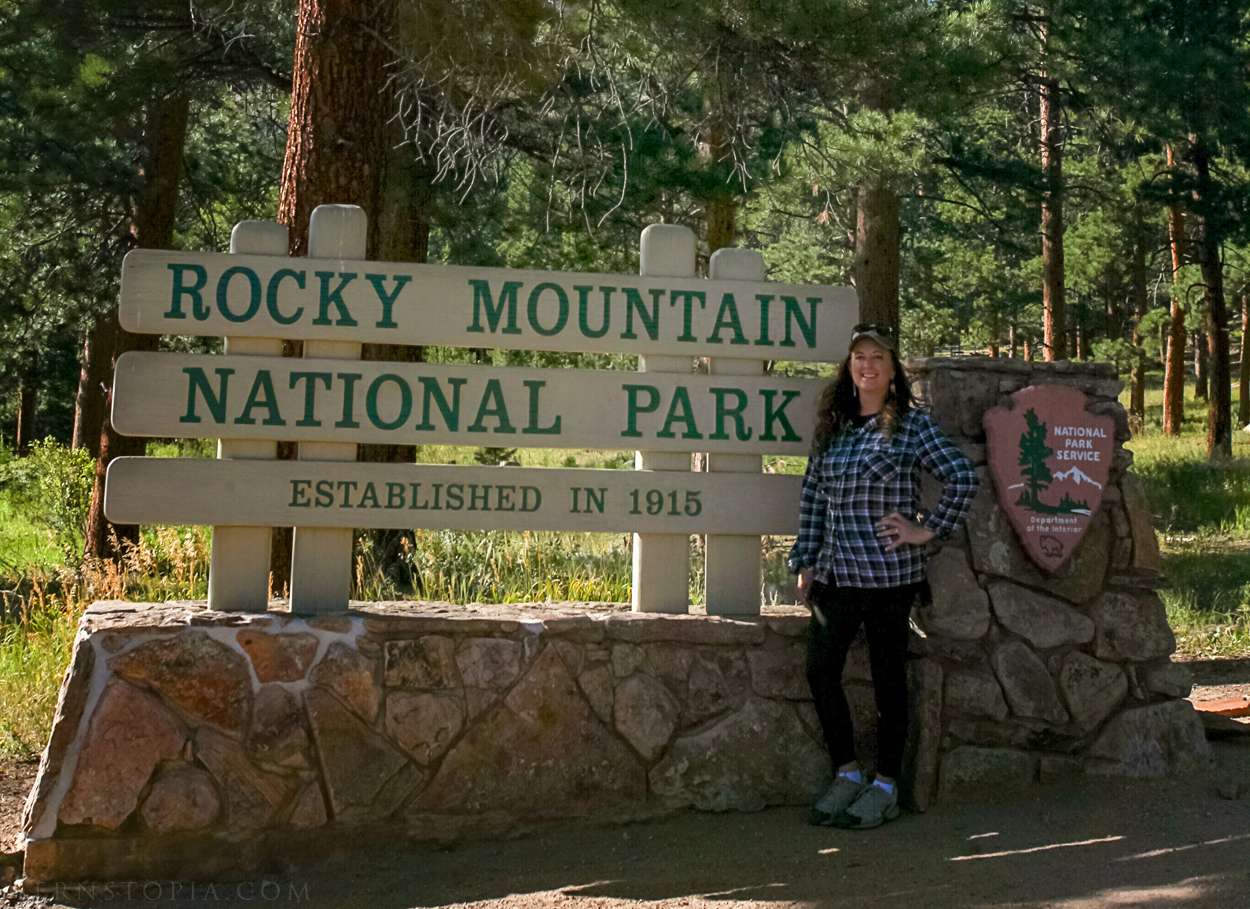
column 1033, row 454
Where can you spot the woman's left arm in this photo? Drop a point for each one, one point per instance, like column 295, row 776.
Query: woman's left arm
column 942, row 458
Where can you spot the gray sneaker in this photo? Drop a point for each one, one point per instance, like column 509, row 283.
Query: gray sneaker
column 840, row 796
column 873, row 808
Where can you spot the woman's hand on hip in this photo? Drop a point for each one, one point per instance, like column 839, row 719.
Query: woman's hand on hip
column 900, row 531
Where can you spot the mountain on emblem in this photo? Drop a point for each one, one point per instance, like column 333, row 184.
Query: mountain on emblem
column 1050, row 459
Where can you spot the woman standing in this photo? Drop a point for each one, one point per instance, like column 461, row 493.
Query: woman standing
column 859, row 557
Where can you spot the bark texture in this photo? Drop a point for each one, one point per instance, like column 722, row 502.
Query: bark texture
column 1174, row 377
column 1243, row 396
column 1054, row 303
column 877, row 232
column 1140, row 301
column 1219, row 398
column 152, row 227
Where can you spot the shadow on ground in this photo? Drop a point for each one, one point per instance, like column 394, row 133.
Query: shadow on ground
column 1086, row 843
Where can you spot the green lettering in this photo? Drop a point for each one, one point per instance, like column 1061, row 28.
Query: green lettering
column 394, row 495
column 633, row 408
column 262, row 385
column 405, row 402
column 198, row 309
column 494, row 312
column 533, row 429
column 216, row 402
column 583, row 322
column 650, row 321
column 310, row 394
column 299, row 494
column 764, row 300
column 370, row 493
column 741, row 430
column 680, row 411
column 450, row 412
column 271, row 296
column 349, row 380
column 562, row 316
column 223, row 294
column 687, row 312
column 770, row 416
column 794, row 315
column 727, row 317
column 388, row 300
column 333, row 296
column 498, row 410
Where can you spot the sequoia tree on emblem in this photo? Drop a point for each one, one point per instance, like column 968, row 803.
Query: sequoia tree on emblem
column 1050, row 459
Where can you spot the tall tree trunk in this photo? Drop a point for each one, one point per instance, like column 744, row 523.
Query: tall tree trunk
column 27, row 404
column 1174, row 378
column 93, row 379
column 337, row 147
column 1200, row 344
column 1054, row 305
column 1243, row 389
column 152, row 227
column 875, row 270
column 1139, row 299
column 1219, row 399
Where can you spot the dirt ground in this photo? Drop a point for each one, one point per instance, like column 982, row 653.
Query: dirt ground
column 1082, row 844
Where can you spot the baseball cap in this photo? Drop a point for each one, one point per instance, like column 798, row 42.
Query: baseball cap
column 880, row 334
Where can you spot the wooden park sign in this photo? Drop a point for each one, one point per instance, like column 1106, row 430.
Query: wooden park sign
column 1050, row 459
column 329, row 401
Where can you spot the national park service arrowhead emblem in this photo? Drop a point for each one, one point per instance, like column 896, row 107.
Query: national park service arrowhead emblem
column 1050, row 459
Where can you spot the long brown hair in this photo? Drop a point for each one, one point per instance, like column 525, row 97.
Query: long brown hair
column 839, row 402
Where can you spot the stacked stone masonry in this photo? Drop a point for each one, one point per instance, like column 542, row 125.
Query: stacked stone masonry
column 189, row 743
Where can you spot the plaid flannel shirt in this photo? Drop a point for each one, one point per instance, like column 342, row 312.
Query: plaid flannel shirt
column 861, row 477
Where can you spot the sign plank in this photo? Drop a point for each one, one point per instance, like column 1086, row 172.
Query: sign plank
column 201, row 396
column 437, row 497
column 196, row 293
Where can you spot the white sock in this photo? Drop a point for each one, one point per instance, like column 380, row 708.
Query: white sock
column 852, row 775
column 888, row 787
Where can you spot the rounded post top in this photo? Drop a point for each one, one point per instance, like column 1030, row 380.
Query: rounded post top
column 259, row 238
column 337, row 232
column 732, row 264
column 666, row 251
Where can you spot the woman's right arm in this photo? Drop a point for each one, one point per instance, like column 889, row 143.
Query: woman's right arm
column 812, row 512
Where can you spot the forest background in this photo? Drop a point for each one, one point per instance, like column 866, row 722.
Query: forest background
column 1048, row 180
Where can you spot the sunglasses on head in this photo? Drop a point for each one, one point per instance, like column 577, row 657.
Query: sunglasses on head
column 872, row 328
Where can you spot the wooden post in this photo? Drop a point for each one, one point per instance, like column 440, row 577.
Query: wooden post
column 662, row 560
column 238, row 573
column 321, row 557
column 732, row 563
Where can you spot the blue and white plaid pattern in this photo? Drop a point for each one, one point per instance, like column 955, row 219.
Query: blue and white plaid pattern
column 861, row 477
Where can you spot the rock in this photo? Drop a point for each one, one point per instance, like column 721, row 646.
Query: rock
column 355, row 761
column 1041, row 620
column 996, row 551
column 1151, row 741
column 349, row 674
column 1167, row 678
column 1146, row 558
column 1131, row 626
column 489, row 662
column 711, row 690
column 1222, row 727
column 1054, row 768
column 964, row 654
column 276, row 732
column 1091, row 688
column 760, row 755
column 279, row 657
column 182, row 798
column 427, row 662
column 572, row 654
column 924, row 738
column 130, row 733
column 858, row 666
column 646, row 714
column 966, row 769
column 252, row 796
column 309, row 810
column 596, row 684
column 75, row 688
column 1231, row 788
column 626, row 658
column 423, row 724
column 975, row 693
column 780, row 672
column 1013, row 732
column 1029, row 688
column 541, row 753
column 196, row 673
column 960, row 609
column 647, row 628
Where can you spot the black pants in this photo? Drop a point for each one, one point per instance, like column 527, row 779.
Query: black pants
column 883, row 613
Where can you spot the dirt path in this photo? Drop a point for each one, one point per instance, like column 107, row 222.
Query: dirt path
column 1085, row 844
